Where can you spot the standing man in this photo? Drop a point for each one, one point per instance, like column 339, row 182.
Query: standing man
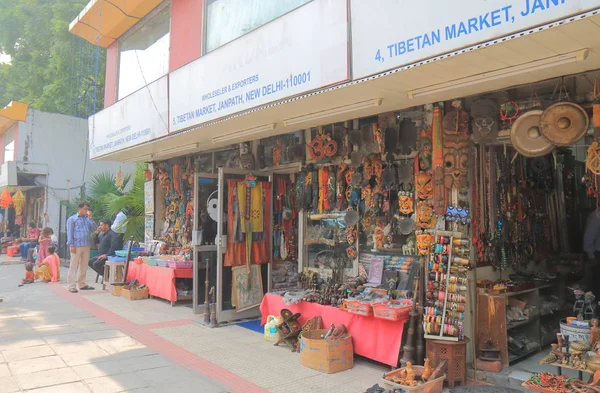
column 119, row 225
column 109, row 243
column 79, row 228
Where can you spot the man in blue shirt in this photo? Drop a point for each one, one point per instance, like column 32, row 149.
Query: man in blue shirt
column 79, row 228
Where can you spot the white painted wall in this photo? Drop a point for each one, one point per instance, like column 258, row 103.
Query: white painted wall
column 55, row 145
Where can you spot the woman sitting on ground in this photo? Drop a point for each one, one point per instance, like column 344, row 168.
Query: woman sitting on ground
column 49, row 269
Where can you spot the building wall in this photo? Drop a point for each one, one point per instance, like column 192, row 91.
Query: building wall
column 112, row 74
column 55, row 146
column 187, row 22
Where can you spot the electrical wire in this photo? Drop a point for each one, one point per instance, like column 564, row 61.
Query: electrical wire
column 148, row 89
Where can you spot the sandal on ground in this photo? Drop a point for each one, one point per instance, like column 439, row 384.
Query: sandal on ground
column 86, row 288
column 73, row 290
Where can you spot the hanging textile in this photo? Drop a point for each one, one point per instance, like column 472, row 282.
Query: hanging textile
column 236, row 245
column 256, row 206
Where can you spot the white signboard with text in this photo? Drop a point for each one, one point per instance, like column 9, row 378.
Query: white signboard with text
column 137, row 118
column 388, row 34
column 301, row 51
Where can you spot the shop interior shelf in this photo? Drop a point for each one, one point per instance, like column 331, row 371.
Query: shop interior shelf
column 522, row 323
column 526, row 291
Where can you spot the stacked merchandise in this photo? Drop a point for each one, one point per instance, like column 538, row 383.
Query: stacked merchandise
column 446, row 298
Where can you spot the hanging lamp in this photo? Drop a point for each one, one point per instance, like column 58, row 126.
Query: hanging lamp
column 19, row 201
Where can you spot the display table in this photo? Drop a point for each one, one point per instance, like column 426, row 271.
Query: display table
column 159, row 280
column 373, row 338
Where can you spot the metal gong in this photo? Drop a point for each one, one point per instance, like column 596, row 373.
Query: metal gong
column 564, row 123
column 526, row 136
column 406, row 226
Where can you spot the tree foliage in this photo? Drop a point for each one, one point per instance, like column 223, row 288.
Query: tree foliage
column 50, row 69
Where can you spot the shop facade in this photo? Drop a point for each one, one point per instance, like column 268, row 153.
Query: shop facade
column 260, row 146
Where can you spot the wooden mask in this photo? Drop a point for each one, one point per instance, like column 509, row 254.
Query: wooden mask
column 424, row 185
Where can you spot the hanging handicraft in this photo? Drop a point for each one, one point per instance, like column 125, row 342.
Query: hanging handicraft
column 526, row 136
column 19, row 202
column 564, row 123
column 439, row 191
column 592, row 161
column 342, row 202
column 406, row 203
column 322, row 147
column 425, row 150
column 485, row 120
column 456, row 149
column 424, row 242
column 425, row 217
column 378, row 138
column 424, row 185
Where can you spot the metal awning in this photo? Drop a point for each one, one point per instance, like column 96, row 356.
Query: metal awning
column 101, row 22
column 12, row 113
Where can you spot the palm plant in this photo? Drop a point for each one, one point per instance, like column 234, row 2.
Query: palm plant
column 132, row 203
column 102, row 187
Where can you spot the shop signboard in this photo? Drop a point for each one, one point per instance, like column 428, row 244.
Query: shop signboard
column 400, row 32
column 137, row 118
column 303, row 50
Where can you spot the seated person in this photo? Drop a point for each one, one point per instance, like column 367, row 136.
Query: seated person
column 33, row 234
column 48, row 270
column 110, row 242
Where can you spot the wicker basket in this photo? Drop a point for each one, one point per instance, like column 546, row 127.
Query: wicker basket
column 575, row 333
column 431, row 386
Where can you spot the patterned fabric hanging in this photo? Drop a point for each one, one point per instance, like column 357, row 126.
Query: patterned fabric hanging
column 119, row 179
column 19, row 201
column 6, row 199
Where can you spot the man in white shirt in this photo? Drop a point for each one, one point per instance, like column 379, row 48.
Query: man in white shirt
column 119, row 225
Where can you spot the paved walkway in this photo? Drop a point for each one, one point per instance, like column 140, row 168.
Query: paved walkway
column 55, row 341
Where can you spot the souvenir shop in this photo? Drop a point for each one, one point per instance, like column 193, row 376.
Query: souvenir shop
column 433, row 226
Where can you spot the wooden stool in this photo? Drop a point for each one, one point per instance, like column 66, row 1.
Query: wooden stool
column 455, row 355
column 114, row 272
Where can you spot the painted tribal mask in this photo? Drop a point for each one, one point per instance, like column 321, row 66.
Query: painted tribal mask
column 406, row 204
column 424, row 185
column 425, row 217
column 424, row 242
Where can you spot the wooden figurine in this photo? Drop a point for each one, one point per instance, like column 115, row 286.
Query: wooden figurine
column 595, row 333
column 410, row 375
column 427, row 370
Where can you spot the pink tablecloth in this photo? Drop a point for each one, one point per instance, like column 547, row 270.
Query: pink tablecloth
column 159, row 280
column 373, row 338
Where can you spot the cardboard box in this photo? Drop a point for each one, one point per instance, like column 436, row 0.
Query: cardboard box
column 326, row 356
column 115, row 290
column 134, row 294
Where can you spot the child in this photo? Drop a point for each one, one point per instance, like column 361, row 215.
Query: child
column 44, row 242
column 49, row 269
column 29, row 276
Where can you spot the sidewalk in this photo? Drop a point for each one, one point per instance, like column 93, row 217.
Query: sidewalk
column 55, row 341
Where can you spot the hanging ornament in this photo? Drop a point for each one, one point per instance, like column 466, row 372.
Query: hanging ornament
column 19, row 201
column 119, row 179
column 6, row 199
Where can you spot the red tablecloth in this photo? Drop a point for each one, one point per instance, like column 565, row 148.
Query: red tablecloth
column 373, row 338
column 159, row 280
